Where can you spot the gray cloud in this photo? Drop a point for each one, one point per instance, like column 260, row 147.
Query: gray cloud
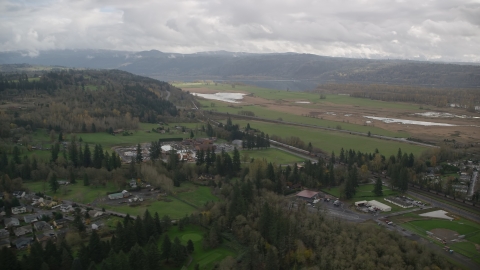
column 406, row 29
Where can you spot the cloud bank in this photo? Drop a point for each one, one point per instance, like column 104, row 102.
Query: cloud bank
column 445, row 30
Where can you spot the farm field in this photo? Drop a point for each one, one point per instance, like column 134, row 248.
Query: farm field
column 348, row 113
column 271, row 155
column 261, row 111
column 330, row 141
column 196, row 195
column 174, row 208
column 205, row 258
column 365, row 192
column 420, row 225
column 272, row 94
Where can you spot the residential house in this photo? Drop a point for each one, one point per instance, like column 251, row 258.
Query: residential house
column 18, row 194
column 94, row 213
column 48, row 203
column 23, row 242
column 66, row 208
column 4, row 233
column 43, row 237
column 23, row 230
column 18, row 210
column 41, row 226
column 11, row 222
column 4, row 243
column 63, row 182
column 60, row 223
column 30, row 218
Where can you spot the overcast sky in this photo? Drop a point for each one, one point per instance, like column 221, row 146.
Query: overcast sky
column 446, row 30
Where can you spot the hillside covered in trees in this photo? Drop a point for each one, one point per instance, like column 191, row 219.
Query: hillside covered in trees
column 83, row 100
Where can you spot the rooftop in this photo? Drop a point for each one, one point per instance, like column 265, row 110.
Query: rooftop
column 307, row 193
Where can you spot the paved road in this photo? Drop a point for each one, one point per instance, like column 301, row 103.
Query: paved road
column 168, row 95
column 448, row 207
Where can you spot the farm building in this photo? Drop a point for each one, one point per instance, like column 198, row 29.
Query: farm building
column 379, row 205
column 120, row 195
column 307, row 195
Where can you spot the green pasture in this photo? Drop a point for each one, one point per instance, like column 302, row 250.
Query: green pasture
column 271, row 155
column 330, row 141
column 470, row 229
column 263, row 112
column 194, row 194
column 205, row 258
column 74, row 192
column 143, row 135
column 174, row 208
column 273, row 94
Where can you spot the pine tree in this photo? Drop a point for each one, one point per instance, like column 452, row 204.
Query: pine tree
column 87, row 156
column 190, row 246
column 86, row 181
column 55, row 150
column 378, row 190
column 73, row 152
column 139, row 157
column 236, row 164
column 94, row 247
column 54, row 183
column 166, row 247
column 94, row 128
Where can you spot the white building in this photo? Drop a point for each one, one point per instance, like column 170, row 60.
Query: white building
column 379, row 205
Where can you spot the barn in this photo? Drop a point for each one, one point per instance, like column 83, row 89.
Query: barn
column 307, row 195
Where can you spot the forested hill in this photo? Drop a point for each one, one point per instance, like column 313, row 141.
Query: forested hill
column 306, row 70
column 83, row 100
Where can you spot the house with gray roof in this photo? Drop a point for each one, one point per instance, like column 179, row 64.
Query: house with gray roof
column 41, row 226
column 30, row 218
column 4, row 233
column 23, row 242
column 11, row 222
column 23, row 230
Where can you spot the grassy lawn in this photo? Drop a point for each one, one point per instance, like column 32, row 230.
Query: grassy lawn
column 205, row 258
column 175, row 208
column 330, row 141
column 196, row 195
column 76, row 192
column 272, row 155
column 420, row 225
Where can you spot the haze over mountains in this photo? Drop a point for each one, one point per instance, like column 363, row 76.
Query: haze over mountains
column 279, row 70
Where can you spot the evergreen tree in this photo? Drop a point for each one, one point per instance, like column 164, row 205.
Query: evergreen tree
column 55, row 150
column 139, row 156
column 94, row 247
column 86, row 181
column 54, row 183
column 73, row 152
column 87, row 156
column 166, row 247
column 190, row 246
column 378, row 190
column 60, row 136
column 72, row 177
column 97, row 156
column 236, row 164
column 178, row 251
column 153, row 256
column 94, row 128
column 137, row 258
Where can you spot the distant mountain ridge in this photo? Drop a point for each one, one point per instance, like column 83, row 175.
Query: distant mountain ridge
column 276, row 70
